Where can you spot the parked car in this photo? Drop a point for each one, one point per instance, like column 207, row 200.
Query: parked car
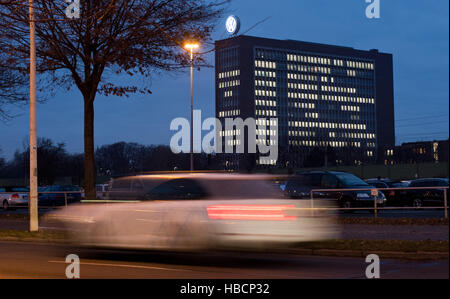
column 426, row 197
column 101, row 191
column 50, row 196
column 301, row 184
column 196, row 211
column 394, row 198
column 14, row 197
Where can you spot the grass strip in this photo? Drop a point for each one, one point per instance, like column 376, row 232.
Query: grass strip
column 353, row 245
column 21, row 235
column 393, row 221
column 378, row 245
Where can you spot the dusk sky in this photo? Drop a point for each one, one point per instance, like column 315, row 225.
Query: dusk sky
column 415, row 32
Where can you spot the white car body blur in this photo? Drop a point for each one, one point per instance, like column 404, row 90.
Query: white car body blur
column 219, row 221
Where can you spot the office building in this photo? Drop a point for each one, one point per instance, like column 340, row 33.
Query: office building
column 334, row 104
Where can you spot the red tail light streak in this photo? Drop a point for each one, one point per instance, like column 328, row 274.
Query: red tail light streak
column 250, row 212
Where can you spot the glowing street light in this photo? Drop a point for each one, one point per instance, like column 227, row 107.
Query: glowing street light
column 191, row 48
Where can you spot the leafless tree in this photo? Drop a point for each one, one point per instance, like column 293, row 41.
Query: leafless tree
column 130, row 37
column 12, row 90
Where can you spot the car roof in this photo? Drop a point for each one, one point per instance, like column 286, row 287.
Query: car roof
column 311, row 172
column 340, row 172
column 429, row 179
column 321, row 172
column 61, row 186
column 385, row 180
column 13, row 187
column 199, row 175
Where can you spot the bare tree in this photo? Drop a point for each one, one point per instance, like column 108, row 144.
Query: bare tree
column 2, row 160
column 12, row 89
column 111, row 36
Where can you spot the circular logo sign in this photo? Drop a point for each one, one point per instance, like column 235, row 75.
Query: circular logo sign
column 233, row 25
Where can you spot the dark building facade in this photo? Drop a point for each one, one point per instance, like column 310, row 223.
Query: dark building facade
column 418, row 152
column 333, row 104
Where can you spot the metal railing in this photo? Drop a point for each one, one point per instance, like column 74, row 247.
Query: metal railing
column 374, row 193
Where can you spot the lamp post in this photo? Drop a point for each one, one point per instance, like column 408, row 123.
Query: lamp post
column 191, row 48
column 33, row 197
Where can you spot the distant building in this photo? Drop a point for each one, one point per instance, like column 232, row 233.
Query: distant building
column 418, row 152
column 332, row 103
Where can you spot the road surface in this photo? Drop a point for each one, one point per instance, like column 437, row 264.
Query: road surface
column 33, row 260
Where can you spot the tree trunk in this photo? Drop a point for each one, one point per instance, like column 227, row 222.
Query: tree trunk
column 89, row 159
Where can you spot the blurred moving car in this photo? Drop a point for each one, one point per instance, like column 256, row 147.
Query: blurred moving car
column 301, row 184
column 51, row 197
column 196, row 211
column 14, row 197
column 427, row 197
column 394, row 198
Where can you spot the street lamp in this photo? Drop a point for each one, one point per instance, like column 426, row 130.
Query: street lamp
column 191, row 48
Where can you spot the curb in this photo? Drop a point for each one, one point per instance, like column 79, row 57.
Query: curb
column 34, row 240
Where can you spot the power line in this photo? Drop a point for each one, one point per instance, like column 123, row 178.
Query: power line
column 421, row 139
column 423, row 117
column 424, row 134
column 422, row 124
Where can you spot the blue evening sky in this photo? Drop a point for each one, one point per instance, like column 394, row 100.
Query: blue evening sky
column 414, row 31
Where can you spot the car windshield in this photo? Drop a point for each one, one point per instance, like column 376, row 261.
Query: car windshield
column 348, row 180
column 398, row 185
column 20, row 189
column 69, row 188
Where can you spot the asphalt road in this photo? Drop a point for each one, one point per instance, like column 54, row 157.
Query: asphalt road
column 32, row 260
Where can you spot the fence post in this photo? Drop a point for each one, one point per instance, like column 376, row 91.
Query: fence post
column 376, row 211
column 375, row 196
column 312, row 203
column 65, row 198
column 445, row 203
